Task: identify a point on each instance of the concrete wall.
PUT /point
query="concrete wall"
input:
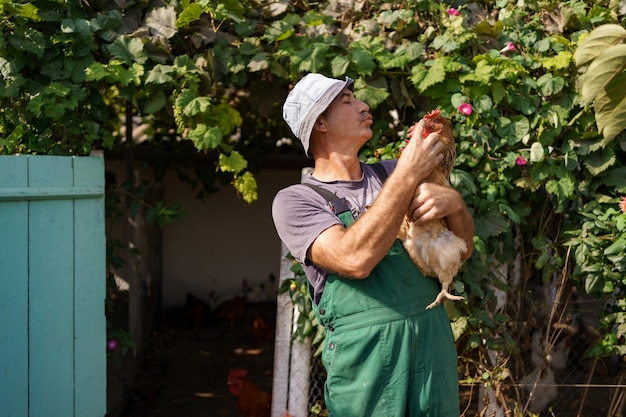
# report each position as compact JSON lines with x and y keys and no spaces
{"x":223,"y":241}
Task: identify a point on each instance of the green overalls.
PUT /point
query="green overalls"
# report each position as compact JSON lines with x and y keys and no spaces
{"x":385,"y":354}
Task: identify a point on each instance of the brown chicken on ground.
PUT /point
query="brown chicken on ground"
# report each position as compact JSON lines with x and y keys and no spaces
{"x":252,"y":401}
{"x":432,"y":246}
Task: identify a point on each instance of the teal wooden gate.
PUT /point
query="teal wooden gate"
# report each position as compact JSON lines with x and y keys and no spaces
{"x":52,"y":287}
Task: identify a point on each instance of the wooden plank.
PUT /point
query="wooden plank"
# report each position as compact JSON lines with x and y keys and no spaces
{"x":48,"y":193}
{"x":89,"y":291}
{"x":51,"y":324}
{"x":13,"y":292}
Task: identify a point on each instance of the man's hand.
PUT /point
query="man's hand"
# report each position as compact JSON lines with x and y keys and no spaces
{"x":432,"y":202}
{"x":421,"y":155}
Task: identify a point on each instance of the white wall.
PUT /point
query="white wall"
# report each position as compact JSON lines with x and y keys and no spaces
{"x":223,"y":240}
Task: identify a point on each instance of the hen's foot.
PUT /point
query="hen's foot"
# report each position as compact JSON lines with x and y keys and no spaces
{"x":443,"y":294}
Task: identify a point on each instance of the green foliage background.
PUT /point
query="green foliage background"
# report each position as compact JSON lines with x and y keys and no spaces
{"x":541,"y":180}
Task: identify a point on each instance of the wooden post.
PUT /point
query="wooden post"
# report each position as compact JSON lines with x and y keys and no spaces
{"x":292,"y":361}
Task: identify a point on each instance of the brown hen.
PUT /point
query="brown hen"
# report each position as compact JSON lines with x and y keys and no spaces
{"x":252,"y":401}
{"x":433,"y":247}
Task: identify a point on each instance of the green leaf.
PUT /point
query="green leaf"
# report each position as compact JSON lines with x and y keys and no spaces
{"x":363,"y":60}
{"x":128,"y":50}
{"x":490,"y":223}
{"x":234,"y":162}
{"x":278,"y":31}
{"x":482,"y":74}
{"x":505,"y":208}
{"x":205,"y":137}
{"x":190,"y":13}
{"x":373,"y":96}
{"x":312,"y":60}
{"x":616,"y":248}
{"x":550,"y":85}
{"x":562,"y":188}
{"x":155,"y":102}
{"x":514,"y":131}
{"x":80,"y":26}
{"x":435,"y":74}
{"x":474,"y":341}
{"x":196,"y":105}
{"x":160,"y":74}
{"x":96,"y":72}
{"x":339,"y":65}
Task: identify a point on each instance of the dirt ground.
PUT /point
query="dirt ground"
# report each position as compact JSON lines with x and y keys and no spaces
{"x":184,"y":371}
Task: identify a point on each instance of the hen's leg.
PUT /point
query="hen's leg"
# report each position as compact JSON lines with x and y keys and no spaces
{"x":443,"y":294}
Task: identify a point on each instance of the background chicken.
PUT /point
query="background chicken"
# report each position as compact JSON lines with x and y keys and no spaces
{"x":432,"y":246}
{"x":251,"y":400}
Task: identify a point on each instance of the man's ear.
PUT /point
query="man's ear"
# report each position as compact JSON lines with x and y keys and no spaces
{"x":320,"y":124}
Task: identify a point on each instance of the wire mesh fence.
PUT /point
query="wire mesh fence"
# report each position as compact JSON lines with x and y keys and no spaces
{"x":564,"y":382}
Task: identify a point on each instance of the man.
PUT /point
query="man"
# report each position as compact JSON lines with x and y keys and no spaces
{"x":385,"y":354}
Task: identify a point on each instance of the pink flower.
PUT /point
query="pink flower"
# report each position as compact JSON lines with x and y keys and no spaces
{"x":112,"y":344}
{"x":622,"y":205}
{"x":452,"y":11}
{"x":465,"y":109}
{"x":509,"y":47}
{"x":521,"y":161}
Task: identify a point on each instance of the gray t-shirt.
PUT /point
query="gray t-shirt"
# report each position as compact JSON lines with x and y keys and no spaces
{"x":301,"y":214}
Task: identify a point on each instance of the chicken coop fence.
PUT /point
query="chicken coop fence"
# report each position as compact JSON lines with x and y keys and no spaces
{"x":550,"y":376}
{"x":567,"y":384}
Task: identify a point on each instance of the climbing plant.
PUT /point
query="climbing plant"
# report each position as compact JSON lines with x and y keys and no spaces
{"x":540,"y":163}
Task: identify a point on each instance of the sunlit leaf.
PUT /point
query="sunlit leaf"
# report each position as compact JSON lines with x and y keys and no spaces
{"x":600,"y":160}
{"x":597,"y":41}
{"x":246,"y":186}
{"x":162,"y":21}
{"x":258,"y":62}
{"x":610,"y":108}
{"x":234,"y":162}
{"x":600,"y":72}
{"x":536,"y":152}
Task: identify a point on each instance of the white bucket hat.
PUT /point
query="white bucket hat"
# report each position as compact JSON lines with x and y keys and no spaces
{"x":308,"y":99}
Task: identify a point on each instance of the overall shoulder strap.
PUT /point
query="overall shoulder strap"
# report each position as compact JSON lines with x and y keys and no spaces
{"x":337,"y":205}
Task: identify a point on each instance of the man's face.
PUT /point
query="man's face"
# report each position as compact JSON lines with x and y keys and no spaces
{"x":349,"y":118}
